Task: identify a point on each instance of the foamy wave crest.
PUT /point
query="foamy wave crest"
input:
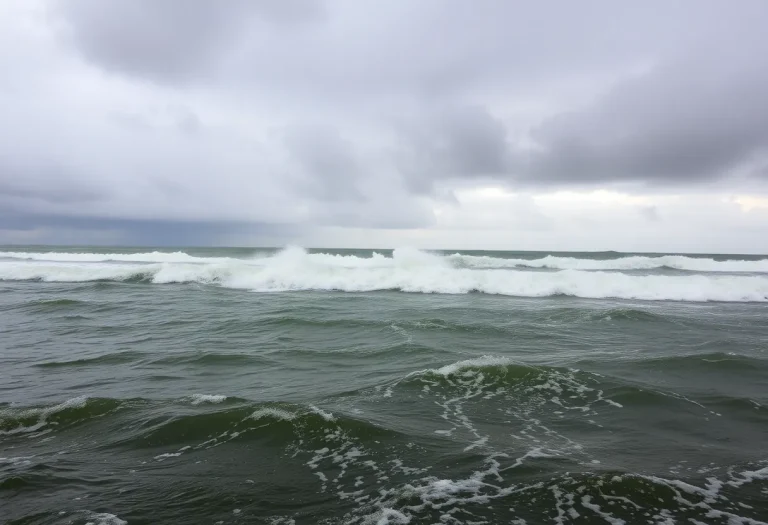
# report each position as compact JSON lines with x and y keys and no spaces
{"x":275,"y":413}
{"x":469,"y":364}
{"x":405,"y":257}
{"x":150,"y":257}
{"x":34,"y":419}
{"x":103,"y":518}
{"x":407,"y":270}
{"x":636,"y":262}
{"x":199,"y":399}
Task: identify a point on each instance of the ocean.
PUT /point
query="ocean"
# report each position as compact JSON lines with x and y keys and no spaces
{"x":237,"y":386}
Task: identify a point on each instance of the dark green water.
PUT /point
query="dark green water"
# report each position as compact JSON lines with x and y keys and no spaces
{"x":236,"y":386}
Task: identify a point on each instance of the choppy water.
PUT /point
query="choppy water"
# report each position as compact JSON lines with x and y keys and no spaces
{"x":236,"y":386}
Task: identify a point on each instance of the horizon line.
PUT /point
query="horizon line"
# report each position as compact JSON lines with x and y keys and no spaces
{"x":315,"y":248}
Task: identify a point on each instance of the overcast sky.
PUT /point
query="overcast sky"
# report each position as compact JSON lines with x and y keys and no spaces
{"x":555,"y":125}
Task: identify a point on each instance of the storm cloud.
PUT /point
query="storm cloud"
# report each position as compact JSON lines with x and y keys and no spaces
{"x":688,"y":120}
{"x":682,"y":121}
{"x":171,"y":40}
{"x":300,"y":115}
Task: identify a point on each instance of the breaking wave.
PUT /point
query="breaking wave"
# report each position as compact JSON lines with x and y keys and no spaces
{"x":408,"y":271}
{"x":410,"y":256}
{"x":149,"y":257}
{"x":635,"y":262}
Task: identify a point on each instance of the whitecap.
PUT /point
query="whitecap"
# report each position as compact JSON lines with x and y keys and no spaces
{"x":197,"y":399}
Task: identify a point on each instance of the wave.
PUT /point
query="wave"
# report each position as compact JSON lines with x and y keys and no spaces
{"x":70,"y":412}
{"x":382,"y":469}
{"x":576,"y":387}
{"x":55,"y":304}
{"x":149,"y":257}
{"x":491,"y":375}
{"x":407,"y":271}
{"x":118,"y":358}
{"x":197,"y":421}
{"x":199,"y":399}
{"x":196,"y":417}
{"x":210,"y":359}
{"x":717,"y":362}
{"x":583,"y":315}
{"x":614,"y":497}
{"x":410,"y":257}
{"x":480,"y":376}
{"x":487,"y":363}
{"x":403,"y":326}
{"x":634,"y":262}
{"x":700,"y":356}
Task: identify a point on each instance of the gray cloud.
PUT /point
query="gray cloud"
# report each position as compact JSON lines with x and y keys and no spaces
{"x":650,"y":212}
{"x":454,"y":143}
{"x":351,"y":49}
{"x":44,"y":182}
{"x":698,"y":112}
{"x":691,"y":120}
{"x":680,"y":122}
{"x":353,"y":114}
{"x":326,"y":164}
{"x":25,"y":191}
{"x":173,"y":40}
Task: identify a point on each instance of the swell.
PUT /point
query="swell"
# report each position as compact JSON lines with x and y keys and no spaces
{"x":711,"y":361}
{"x":397,"y":325}
{"x":333,"y":447}
{"x":599,"y":495}
{"x":609,"y":496}
{"x":118,"y":358}
{"x":165,"y":422}
{"x":200,"y":421}
{"x":210,"y":359}
{"x":640,"y":396}
{"x":63,"y":415}
{"x":534,"y":383}
{"x":55,"y":304}
{"x":566,"y":315}
{"x":203,"y":359}
{"x":583,"y":314}
{"x":63,"y":308}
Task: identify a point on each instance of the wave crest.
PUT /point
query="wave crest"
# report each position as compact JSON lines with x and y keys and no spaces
{"x":409,"y":270}
{"x":410,"y":257}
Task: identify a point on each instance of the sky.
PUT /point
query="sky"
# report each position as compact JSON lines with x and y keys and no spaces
{"x":551,"y":125}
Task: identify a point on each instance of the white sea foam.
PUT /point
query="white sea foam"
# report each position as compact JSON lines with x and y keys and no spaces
{"x":587,"y":502}
{"x":486,"y":360}
{"x":687,"y":494}
{"x":322,"y":413}
{"x":149,"y":257}
{"x":103,"y":518}
{"x":162,"y":457}
{"x":748,"y":477}
{"x":19,"y":460}
{"x":634,"y":262}
{"x":276,"y":413}
{"x":408,"y":271}
{"x":408,"y":257}
{"x":43,"y":414}
{"x":197,"y":399}
{"x":342,"y":464}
